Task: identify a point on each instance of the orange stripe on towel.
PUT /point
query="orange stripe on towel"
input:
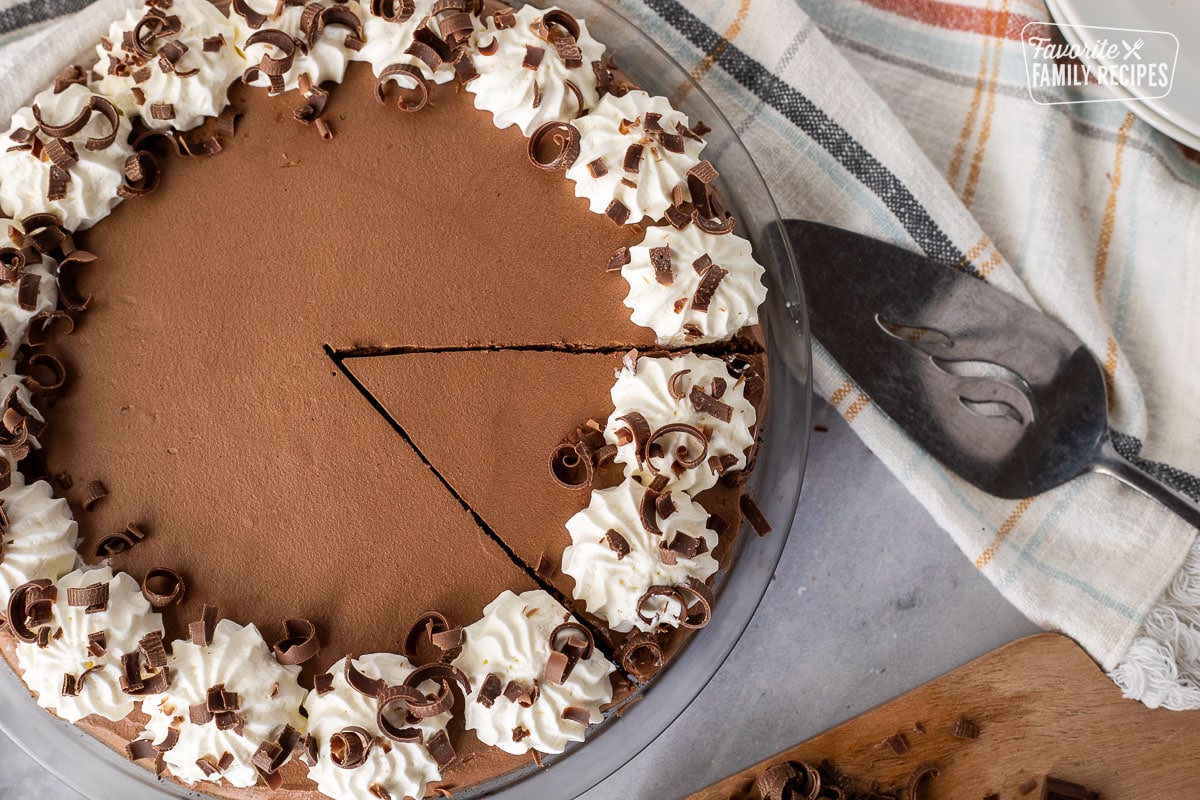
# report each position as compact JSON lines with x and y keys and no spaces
{"x":1002,"y":533}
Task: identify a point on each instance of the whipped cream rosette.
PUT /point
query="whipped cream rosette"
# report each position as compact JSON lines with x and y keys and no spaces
{"x":409,"y":43}
{"x":683,"y":419}
{"x":64,"y":154}
{"x":226,"y":699}
{"x":354,"y":757}
{"x":23,"y":298}
{"x":639,"y":557}
{"x":316,"y":40}
{"x":39,"y":538}
{"x":537,"y":681}
{"x":534,"y":66}
{"x":96,"y":620}
{"x":692,"y":286}
{"x":170,"y":67}
{"x":634,"y":152}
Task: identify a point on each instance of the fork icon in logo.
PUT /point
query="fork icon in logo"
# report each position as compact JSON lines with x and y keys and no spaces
{"x":1132,"y":49}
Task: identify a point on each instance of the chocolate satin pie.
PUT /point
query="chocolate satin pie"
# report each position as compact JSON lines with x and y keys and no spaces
{"x":380,"y":385}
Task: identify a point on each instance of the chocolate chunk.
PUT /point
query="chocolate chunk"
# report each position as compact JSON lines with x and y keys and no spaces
{"x":213,"y":44}
{"x":97,"y":644}
{"x":96,"y":492}
{"x":597,"y":168}
{"x":633,"y":158}
{"x":199,"y":714}
{"x":520,"y":733}
{"x":671,"y":142}
{"x":442,"y":751}
{"x":554,"y":146}
{"x":92,"y":599}
{"x":719,"y":385}
{"x":618,"y":212}
{"x":323,"y":684}
{"x":533,"y":57}
{"x":685,"y":545}
{"x":617,"y":543}
{"x":163,"y":586}
{"x":69,"y":75}
{"x":619,"y":259}
{"x":489,"y":691}
{"x":546,"y":567}
{"x":721,"y":464}
{"x":299,"y":643}
{"x":660,"y":260}
{"x":705,"y":403}
{"x":754,"y":515}
{"x":61,"y":153}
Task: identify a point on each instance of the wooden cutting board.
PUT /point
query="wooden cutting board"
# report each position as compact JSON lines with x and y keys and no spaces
{"x":1041,"y":706}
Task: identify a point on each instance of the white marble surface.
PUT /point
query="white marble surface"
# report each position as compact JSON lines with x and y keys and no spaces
{"x":870,"y":599}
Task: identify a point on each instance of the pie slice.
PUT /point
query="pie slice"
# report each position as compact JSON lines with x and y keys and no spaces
{"x":487,"y":422}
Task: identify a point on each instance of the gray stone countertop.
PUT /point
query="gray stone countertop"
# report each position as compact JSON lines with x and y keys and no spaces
{"x":870,"y":599}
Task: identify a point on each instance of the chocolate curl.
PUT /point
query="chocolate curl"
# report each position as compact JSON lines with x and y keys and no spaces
{"x":119,"y":542}
{"x":554,"y":146}
{"x":50,"y":364}
{"x":299,"y":643}
{"x":571,"y":466}
{"x":641,"y":655}
{"x":29,"y":608}
{"x":163,"y":587}
{"x":393,"y":10}
{"x":141,"y":174}
{"x":411,"y":98}
{"x":348,"y":748}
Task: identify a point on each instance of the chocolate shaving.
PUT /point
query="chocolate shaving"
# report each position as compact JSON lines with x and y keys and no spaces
{"x":636,"y":429}
{"x":721,"y":464}
{"x":142,"y":749}
{"x":648,"y":512}
{"x":118,"y":543}
{"x":323,"y":684}
{"x":719,"y":385}
{"x":520,"y":733}
{"x":665,"y":505}
{"x":213,"y":44}
{"x":702,"y":263}
{"x":674,"y":385}
{"x":754,"y":515}
{"x":299,"y":643}
{"x":597,"y":168}
{"x":704,"y":601}
{"x":96,"y":492}
{"x":926,"y":770}
{"x":348,"y":748}
{"x":442,"y":751}
{"x":681,"y":453}
{"x":141,"y":174}
{"x":262,"y":760}
{"x":309,"y":752}
{"x":68,"y":75}
{"x":97,"y":644}
{"x":708,"y":287}
{"x":897,"y":743}
{"x":571,"y":466}
{"x":1059,"y":789}
{"x":163,"y":587}
{"x":558,"y":668}
{"x":93,"y":599}
{"x":619,"y":258}
{"x":456,"y":28}
{"x":577,"y":714}
{"x":537,"y":94}
{"x":641,"y":655}
{"x":57,"y":187}
{"x":489,"y":49}
{"x":201,"y":631}
{"x":411,"y":98}
{"x":660,"y":259}
{"x":323,"y":129}
{"x":705,"y":403}
{"x":271,"y":66}
{"x":253,"y":19}
{"x":368,"y":687}
{"x":554,"y":146}
{"x":29,"y":287}
{"x":618,"y":212}
{"x":687,"y":546}
{"x":579,"y":643}
{"x":393,"y":10}
{"x":438,"y":672}
{"x":667,"y":592}
{"x":67,"y":269}
{"x":633,"y":158}
{"x":617,"y":543}
{"x":965,"y":729}
{"x":717,"y":227}
{"x":428,"y":624}
{"x":545,"y":568}
{"x":61,"y":153}
{"x":29,"y":607}
{"x":168,"y":741}
{"x":699,"y":178}
{"x":671,"y":142}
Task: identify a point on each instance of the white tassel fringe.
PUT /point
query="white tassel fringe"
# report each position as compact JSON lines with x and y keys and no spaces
{"x":1162,"y":666}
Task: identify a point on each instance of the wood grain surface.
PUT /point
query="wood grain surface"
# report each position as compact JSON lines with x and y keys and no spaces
{"x":1042,"y":707}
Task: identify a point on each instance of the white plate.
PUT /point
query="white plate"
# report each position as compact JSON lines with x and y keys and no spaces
{"x":1178,"y":113}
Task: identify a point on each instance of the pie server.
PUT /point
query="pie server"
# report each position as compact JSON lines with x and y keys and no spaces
{"x":995,"y":390}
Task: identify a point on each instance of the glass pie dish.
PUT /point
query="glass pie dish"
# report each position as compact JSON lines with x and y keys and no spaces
{"x":96,"y":771}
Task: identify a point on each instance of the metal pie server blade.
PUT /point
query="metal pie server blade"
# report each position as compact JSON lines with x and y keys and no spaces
{"x":995,"y":390}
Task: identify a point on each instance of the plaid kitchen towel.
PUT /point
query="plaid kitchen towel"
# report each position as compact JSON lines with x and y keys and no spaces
{"x":910,"y":120}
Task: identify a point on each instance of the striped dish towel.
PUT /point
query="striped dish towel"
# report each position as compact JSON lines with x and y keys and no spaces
{"x":910,"y":120}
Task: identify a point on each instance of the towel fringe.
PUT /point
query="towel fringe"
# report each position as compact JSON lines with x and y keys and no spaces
{"x":1162,"y":666}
